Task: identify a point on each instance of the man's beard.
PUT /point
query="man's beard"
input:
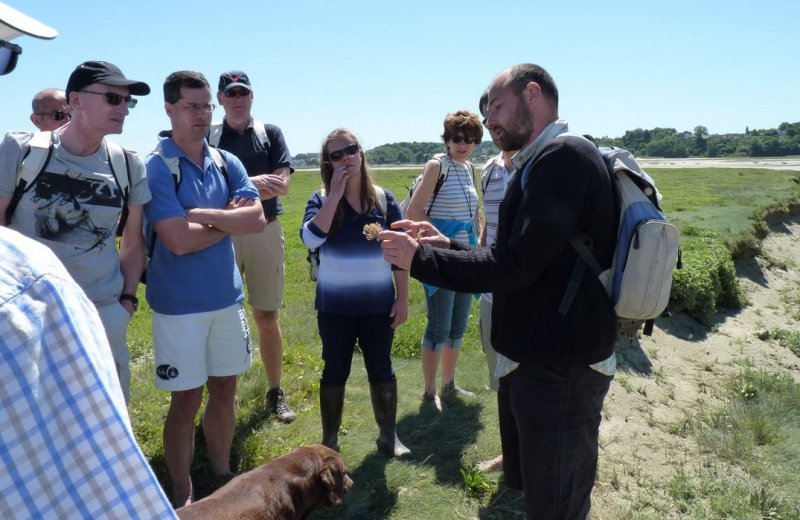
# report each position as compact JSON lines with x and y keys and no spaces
{"x":518,"y":131}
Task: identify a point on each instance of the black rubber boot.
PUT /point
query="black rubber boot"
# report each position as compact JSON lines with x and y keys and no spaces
{"x":331,"y":403}
{"x":384,"y":404}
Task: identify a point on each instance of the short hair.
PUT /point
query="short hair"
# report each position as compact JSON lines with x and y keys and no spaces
{"x":48,"y":93}
{"x":463,"y":122}
{"x":520,"y":75}
{"x":483,"y":102}
{"x":182,"y":78}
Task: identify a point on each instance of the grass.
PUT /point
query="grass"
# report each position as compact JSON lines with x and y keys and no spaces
{"x":440,"y":480}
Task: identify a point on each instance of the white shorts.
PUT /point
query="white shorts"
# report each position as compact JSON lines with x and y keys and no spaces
{"x":191,"y":347}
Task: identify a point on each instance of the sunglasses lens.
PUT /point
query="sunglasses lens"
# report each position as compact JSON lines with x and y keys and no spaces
{"x":9,"y":53}
{"x":456,"y":139}
{"x":338,"y":155}
{"x":130,"y":102}
{"x":59,"y":116}
{"x":113,"y":99}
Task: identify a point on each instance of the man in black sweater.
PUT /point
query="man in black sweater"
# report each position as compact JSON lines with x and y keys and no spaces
{"x":557,"y":358}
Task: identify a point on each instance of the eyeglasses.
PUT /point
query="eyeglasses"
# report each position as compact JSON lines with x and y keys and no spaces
{"x":114,"y":99}
{"x":338,"y":155}
{"x":237,"y":92}
{"x":9,"y":54}
{"x":57,"y":115}
{"x":199,"y":107}
{"x":458,"y":138}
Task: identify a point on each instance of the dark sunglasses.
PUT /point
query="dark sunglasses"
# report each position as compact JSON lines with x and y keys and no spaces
{"x":338,"y":155}
{"x":9,"y":54}
{"x":57,"y":115}
{"x":237,"y":92}
{"x":114,"y":99}
{"x":458,"y":138}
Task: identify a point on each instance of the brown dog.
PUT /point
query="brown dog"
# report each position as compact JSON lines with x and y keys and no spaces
{"x":288,"y":487}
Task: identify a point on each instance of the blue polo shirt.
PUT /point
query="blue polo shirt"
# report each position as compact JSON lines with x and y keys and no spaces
{"x":205,"y":280}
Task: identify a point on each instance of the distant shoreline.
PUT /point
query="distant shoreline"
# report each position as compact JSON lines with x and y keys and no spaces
{"x":768,"y":163}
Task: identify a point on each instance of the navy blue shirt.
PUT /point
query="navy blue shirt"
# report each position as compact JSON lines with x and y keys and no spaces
{"x":259,"y":158}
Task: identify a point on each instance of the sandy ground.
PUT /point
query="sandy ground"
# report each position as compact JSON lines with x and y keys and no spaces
{"x":679,"y":371}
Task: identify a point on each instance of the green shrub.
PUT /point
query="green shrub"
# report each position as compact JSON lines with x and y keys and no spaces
{"x":707,"y":280}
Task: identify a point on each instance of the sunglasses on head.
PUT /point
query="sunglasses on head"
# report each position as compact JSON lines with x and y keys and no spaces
{"x":57,"y":115}
{"x":458,"y":138}
{"x":114,"y":99}
{"x":237,"y":92}
{"x":338,"y":155}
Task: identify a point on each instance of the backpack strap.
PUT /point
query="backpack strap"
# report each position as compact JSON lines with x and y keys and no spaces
{"x":215,"y":133}
{"x":260,"y":130}
{"x":118,"y":162}
{"x":381,"y":198}
{"x":173,"y":164}
{"x":583,"y":246}
{"x":439,"y":181}
{"x":219,"y":160}
{"x":36,"y":159}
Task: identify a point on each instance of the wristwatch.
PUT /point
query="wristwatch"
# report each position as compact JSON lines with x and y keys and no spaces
{"x":131,"y":298}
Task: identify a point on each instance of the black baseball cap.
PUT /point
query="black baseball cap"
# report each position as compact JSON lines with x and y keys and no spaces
{"x":234,"y":78}
{"x":90,"y":72}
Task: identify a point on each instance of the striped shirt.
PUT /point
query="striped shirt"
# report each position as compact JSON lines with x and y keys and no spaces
{"x":494,"y":180}
{"x":457,"y":198}
{"x":66,"y":446}
{"x":354,"y":279}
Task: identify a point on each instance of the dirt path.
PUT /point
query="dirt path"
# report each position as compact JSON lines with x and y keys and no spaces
{"x":679,"y":369}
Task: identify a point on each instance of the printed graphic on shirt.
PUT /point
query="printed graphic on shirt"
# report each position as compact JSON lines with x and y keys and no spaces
{"x":64,"y":204}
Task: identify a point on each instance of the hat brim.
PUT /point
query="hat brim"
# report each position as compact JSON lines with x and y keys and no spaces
{"x":14,"y":23}
{"x":137,"y":88}
{"x":237,"y":84}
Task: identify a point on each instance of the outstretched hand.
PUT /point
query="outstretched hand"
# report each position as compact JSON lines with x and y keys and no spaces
{"x":399,"y":247}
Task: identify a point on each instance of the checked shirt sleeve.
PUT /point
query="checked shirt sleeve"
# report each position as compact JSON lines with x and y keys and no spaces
{"x":66,"y":444}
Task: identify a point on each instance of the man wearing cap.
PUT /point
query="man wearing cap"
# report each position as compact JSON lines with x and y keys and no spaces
{"x":50,"y":109}
{"x":75,"y":200}
{"x":260,"y":257}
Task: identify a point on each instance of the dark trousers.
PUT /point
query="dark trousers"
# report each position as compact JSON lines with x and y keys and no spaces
{"x":339,"y":334}
{"x":549,"y":426}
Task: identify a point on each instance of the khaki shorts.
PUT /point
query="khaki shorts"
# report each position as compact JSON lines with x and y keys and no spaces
{"x":260,"y":259}
{"x":190,"y":347}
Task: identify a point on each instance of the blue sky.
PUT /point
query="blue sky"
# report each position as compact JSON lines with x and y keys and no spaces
{"x":391,"y":71}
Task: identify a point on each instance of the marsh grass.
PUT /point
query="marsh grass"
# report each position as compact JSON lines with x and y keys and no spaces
{"x":438,"y":482}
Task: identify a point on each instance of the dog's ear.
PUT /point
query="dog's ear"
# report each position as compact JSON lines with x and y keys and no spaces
{"x":333,"y":478}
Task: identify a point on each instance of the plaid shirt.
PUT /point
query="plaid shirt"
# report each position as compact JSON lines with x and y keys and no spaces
{"x":66,"y":447}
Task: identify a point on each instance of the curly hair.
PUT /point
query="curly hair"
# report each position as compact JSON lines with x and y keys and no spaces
{"x":465,"y":123}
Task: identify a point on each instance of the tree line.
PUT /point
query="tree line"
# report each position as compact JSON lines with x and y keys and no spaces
{"x":656,"y":142}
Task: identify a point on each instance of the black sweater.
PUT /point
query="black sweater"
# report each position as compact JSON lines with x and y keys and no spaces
{"x":568,"y":191}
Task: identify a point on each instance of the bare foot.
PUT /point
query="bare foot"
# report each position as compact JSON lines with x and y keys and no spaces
{"x":496,"y":464}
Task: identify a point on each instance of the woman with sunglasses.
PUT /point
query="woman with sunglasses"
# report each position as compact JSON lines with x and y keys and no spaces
{"x":356,"y":299}
{"x":447,"y":197}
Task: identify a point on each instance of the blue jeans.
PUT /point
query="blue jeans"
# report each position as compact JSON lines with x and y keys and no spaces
{"x":339,"y":334}
{"x":447,"y":319}
{"x":549,"y":426}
